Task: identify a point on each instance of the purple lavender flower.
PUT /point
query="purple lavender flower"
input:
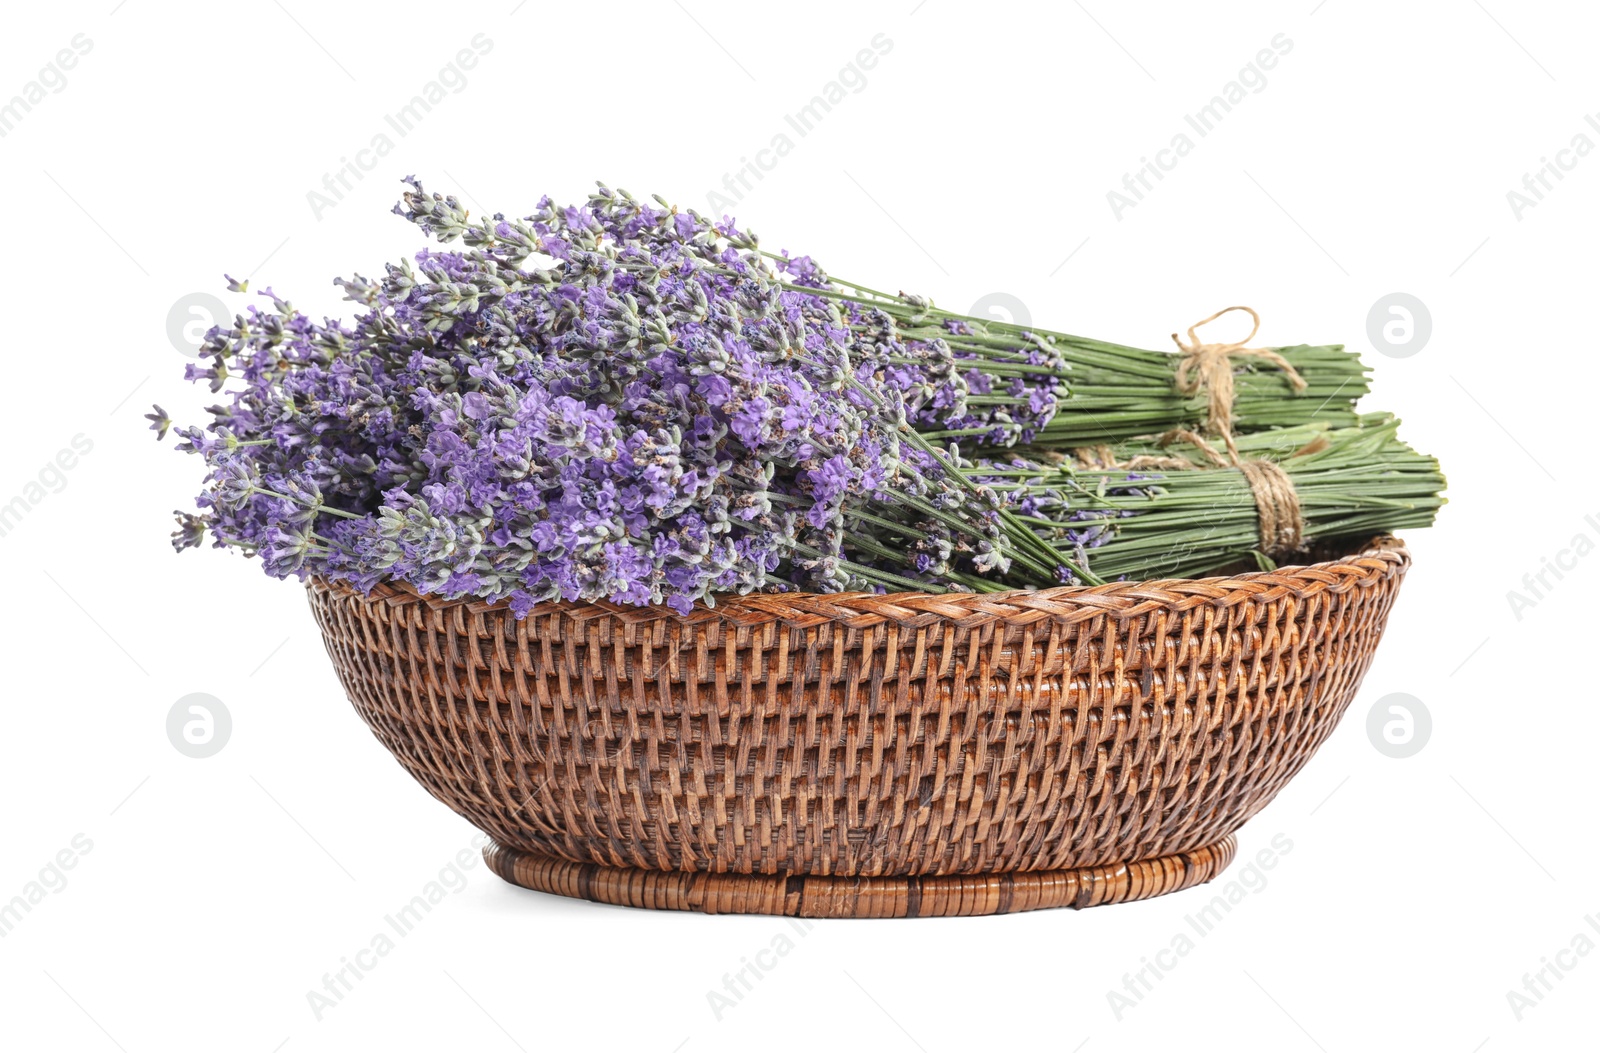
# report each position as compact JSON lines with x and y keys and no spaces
{"x":646,"y":416}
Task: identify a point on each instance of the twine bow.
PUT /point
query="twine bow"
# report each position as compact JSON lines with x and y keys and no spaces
{"x":1209,"y":368}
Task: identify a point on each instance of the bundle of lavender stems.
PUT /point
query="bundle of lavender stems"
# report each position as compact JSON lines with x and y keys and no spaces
{"x":624,"y":402}
{"x":1190,"y":512}
{"x":1025,"y":384}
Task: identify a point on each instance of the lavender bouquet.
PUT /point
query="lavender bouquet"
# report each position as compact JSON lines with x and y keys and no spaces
{"x":1156,"y":509}
{"x":623,"y":402}
{"x":1007,"y":384}
{"x":647,"y":419}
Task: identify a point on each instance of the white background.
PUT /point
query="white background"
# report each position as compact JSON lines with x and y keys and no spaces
{"x":976,"y":159}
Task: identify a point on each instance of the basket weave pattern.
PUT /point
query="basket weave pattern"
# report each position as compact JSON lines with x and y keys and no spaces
{"x":861,"y":736}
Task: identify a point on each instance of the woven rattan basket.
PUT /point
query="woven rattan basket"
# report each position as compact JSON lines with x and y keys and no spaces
{"x":862,"y":755}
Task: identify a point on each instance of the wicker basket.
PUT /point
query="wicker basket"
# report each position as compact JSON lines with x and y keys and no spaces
{"x":862,"y":755}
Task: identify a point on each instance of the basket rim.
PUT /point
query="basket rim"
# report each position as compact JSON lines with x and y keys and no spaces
{"x":1378,"y":559}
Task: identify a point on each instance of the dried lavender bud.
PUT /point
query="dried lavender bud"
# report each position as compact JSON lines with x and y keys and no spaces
{"x":648,"y":416}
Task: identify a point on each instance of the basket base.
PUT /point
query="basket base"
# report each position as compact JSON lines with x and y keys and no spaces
{"x":954,"y":895}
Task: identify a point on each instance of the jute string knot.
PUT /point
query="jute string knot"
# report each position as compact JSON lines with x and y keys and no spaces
{"x":1209,"y":368}
{"x":1278,"y":517}
{"x":1277,"y":506}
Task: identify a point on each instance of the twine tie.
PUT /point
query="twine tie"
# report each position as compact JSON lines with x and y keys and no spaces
{"x":1209,"y":368}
